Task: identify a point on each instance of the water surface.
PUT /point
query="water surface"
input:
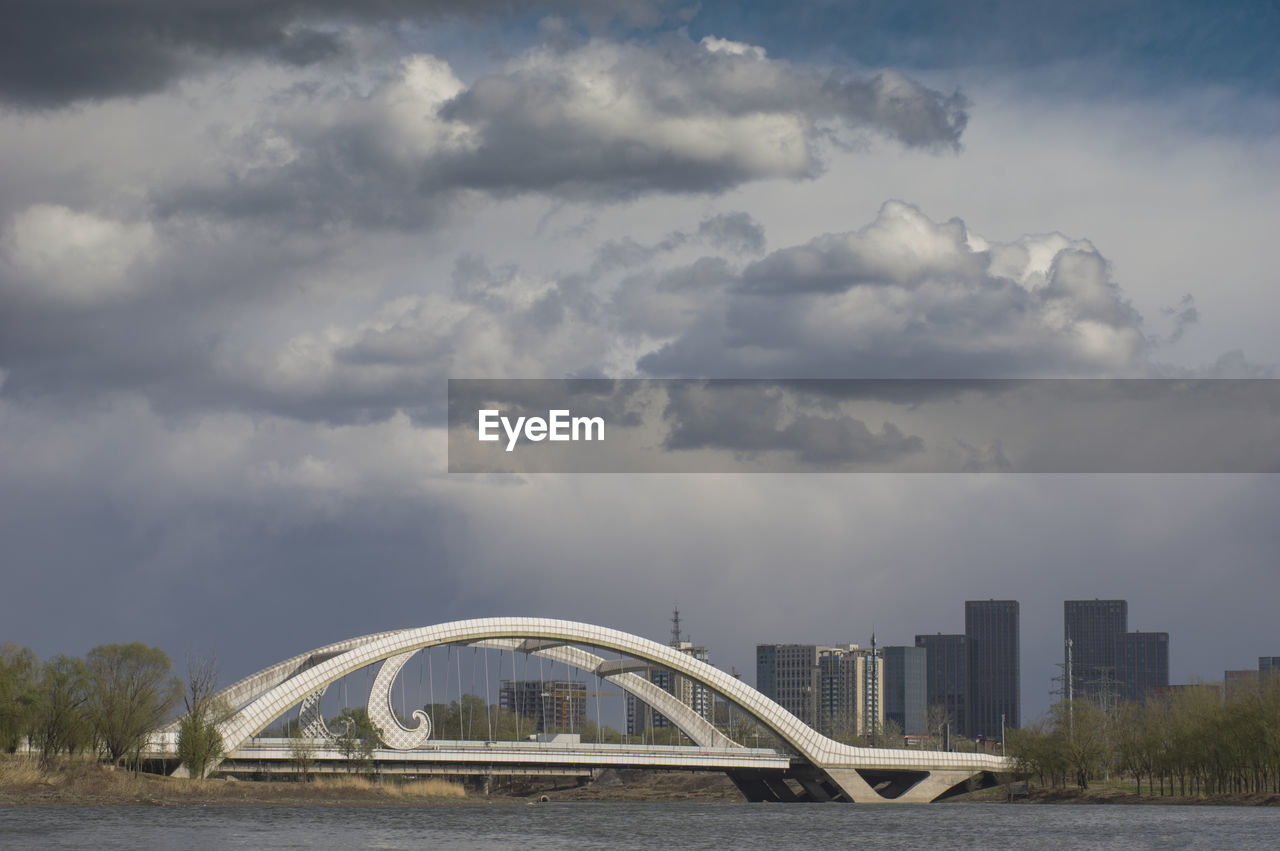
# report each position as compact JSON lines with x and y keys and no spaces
{"x":641,"y":825}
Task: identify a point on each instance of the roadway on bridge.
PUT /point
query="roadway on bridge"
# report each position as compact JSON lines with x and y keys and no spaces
{"x":277,"y":756}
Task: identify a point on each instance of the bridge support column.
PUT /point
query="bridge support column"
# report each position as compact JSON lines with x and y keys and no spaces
{"x":815,"y":789}
{"x":901,"y":789}
{"x":752,"y":786}
{"x":938,"y":783}
{"x":854,"y":788}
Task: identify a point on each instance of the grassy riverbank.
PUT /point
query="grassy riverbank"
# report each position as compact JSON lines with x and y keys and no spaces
{"x":1103,"y":792}
{"x":84,"y":782}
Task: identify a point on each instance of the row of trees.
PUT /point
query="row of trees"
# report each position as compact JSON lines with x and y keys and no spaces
{"x":106,"y":704}
{"x":472,"y":720}
{"x":1195,"y":741}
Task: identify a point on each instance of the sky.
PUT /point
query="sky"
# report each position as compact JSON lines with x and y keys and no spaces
{"x":243,"y":246}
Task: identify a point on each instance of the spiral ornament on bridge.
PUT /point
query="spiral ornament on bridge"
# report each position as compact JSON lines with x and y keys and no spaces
{"x":394,"y":734}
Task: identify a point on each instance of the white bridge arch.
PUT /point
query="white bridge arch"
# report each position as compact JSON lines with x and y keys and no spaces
{"x":824,"y":769}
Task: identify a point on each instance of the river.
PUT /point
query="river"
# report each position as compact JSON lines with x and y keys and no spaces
{"x":641,"y":825}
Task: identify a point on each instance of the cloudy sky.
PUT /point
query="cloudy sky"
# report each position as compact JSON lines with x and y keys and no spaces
{"x":244,"y":244}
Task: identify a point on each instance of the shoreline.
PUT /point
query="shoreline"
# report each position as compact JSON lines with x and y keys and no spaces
{"x":90,"y":784}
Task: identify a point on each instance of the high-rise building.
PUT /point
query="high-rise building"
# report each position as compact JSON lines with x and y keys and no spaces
{"x":850,"y":692}
{"x":945,"y":664}
{"x":906,"y":688}
{"x":1269,"y":666}
{"x":992,"y":686}
{"x":1091,"y":632}
{"x":788,"y":675}
{"x":1142,"y":664}
{"x":640,"y":716}
{"x":555,"y":706}
{"x":841,"y":679}
{"x":839,"y":691}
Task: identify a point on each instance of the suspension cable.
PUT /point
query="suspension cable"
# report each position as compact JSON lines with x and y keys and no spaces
{"x":599,"y":718}
{"x":458,"y":657}
{"x":431,"y":693}
{"x":542,"y":698}
{"x":487,"y":716}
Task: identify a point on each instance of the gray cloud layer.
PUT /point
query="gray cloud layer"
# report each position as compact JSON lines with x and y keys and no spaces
{"x":55,"y":53}
{"x":901,"y":297}
{"x":599,"y":120}
{"x":908,"y":297}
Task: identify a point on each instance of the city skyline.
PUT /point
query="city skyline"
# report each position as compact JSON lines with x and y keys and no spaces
{"x":243,"y":252}
{"x":1139,"y":644}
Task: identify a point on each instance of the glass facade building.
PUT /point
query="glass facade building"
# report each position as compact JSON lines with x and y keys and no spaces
{"x":945,"y":665}
{"x":1142,"y":664}
{"x":906,"y":688}
{"x":993,"y":683}
{"x":1093,"y":628}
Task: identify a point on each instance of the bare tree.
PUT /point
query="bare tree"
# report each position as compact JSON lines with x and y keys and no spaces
{"x":937,"y":720}
{"x":303,"y":750}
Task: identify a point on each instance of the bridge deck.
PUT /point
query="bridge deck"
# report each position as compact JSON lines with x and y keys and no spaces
{"x":451,"y":757}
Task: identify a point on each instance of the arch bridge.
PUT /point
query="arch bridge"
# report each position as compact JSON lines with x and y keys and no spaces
{"x":807,"y":767}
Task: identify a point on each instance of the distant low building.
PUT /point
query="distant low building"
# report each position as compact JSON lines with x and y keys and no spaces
{"x":1236,"y":682}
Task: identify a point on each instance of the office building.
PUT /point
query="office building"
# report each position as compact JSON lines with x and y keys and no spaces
{"x":945,"y":664}
{"x":839,"y":691}
{"x":788,"y":675}
{"x":992,"y":685}
{"x":1142,"y":664}
{"x":850,"y":692}
{"x":1235,"y":683}
{"x":640,"y":716}
{"x":1091,"y":637}
{"x":906,"y":688}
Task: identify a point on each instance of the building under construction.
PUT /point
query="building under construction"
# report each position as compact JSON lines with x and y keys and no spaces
{"x":555,"y":706}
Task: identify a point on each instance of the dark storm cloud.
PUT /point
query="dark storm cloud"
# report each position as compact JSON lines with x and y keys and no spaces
{"x":192,"y":532}
{"x":53,"y":53}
